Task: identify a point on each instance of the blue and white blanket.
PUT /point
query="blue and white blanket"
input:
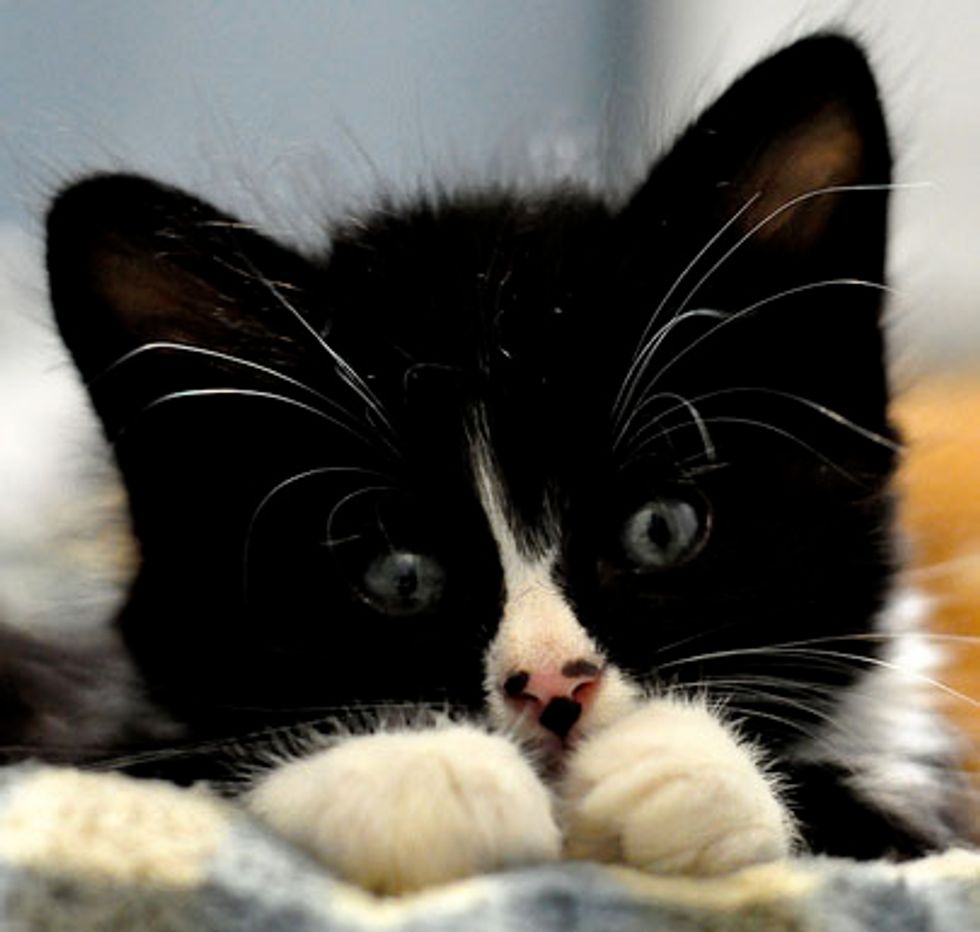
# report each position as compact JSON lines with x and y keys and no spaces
{"x":84,"y":851}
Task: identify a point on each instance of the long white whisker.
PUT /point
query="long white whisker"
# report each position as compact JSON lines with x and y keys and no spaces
{"x":641,"y":345}
{"x":685,"y":404}
{"x":875,"y":637}
{"x":771,"y":299}
{"x":665,"y":432}
{"x":749,"y":681}
{"x":724,"y":320}
{"x":788,"y":723}
{"x":708,"y":632}
{"x":846,"y":658}
{"x":330,"y":540}
{"x":642,"y":357}
{"x":335,"y":715}
{"x":208,"y":746}
{"x":279,"y":487}
{"x":630,"y":384}
{"x":720,"y":688}
{"x":725,"y":654}
{"x":823,"y":410}
{"x":883,"y":637}
{"x":778,"y":692}
{"x":781,"y":209}
{"x":888,"y":665}
{"x":238,"y":393}
{"x":348,"y":373}
{"x":654,"y":423}
{"x":215,"y":354}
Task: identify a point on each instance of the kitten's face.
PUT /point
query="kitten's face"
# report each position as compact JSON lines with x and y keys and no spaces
{"x":527,"y":453}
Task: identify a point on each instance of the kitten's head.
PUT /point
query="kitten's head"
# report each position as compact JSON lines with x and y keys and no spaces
{"x":531,"y":449}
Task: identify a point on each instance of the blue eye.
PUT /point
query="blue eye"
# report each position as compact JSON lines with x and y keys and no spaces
{"x":666,"y":532}
{"x":403,"y":583}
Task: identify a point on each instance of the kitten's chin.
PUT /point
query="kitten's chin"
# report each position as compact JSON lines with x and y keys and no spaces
{"x":550,"y":754}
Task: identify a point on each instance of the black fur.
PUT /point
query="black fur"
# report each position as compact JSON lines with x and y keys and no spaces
{"x":518,"y":314}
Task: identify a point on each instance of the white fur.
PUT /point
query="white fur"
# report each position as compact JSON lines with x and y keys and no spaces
{"x":395,"y":812}
{"x":886,"y":724}
{"x":670,"y":790}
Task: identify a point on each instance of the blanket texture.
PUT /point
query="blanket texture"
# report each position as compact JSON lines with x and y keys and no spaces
{"x":84,"y":851}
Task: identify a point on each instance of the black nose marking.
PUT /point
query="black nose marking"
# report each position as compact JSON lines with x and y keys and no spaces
{"x":576,"y":668}
{"x":515,"y":685}
{"x":559,"y":715}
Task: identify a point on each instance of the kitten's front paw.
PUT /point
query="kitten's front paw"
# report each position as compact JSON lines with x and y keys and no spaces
{"x":400,"y":811}
{"x":669,"y":790}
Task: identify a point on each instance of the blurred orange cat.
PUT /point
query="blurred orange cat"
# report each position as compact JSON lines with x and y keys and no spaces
{"x":940,"y":482}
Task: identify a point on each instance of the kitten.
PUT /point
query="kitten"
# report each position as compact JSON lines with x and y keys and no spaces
{"x":607,"y":482}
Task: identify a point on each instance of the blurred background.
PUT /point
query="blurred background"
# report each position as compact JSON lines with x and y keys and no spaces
{"x":291,"y":112}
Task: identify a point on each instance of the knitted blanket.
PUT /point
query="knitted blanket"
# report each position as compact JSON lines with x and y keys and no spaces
{"x":84,"y":851}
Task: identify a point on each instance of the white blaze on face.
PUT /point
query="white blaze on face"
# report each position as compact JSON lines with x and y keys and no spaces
{"x":538,"y":631}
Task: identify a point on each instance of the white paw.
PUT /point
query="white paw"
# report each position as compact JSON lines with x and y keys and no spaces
{"x":400,"y":811}
{"x":669,"y":790}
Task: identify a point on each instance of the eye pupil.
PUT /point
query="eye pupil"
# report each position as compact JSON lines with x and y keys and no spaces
{"x":659,"y":531}
{"x":407,"y":580}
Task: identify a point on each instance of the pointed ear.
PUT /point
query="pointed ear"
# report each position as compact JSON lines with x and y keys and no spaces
{"x":132,"y":262}
{"x":794,"y":155}
{"x":771,"y":211}
{"x":806,"y":126}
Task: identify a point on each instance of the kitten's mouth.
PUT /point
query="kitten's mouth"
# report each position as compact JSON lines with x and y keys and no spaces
{"x":551,"y":752}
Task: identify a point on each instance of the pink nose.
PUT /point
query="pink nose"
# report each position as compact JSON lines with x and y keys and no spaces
{"x":556,"y":697}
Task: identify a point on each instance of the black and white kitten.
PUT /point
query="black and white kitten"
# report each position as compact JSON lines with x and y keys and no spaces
{"x":610,"y":481}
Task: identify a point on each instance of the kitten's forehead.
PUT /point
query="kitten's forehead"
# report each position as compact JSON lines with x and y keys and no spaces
{"x":538,"y":627}
{"x":521,"y":541}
